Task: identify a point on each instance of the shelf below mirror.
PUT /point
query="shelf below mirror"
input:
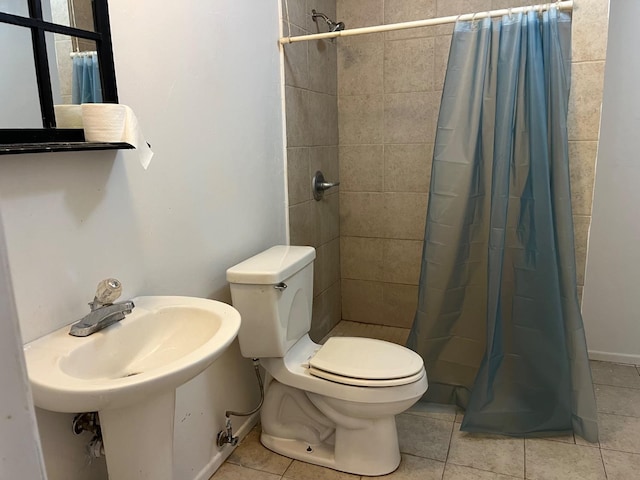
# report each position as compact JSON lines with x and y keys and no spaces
{"x":16,"y":141}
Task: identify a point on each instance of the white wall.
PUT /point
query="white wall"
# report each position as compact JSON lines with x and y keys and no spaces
{"x":611,"y":304}
{"x":204,"y":80}
{"x":20,"y":450}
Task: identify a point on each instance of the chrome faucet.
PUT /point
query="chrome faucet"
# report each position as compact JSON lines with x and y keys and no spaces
{"x":103,"y":311}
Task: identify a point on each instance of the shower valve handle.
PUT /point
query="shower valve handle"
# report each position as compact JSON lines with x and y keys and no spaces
{"x":318,"y":185}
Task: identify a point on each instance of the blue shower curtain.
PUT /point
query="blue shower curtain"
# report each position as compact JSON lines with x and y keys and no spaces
{"x":498,"y":321}
{"x":86,"y":86}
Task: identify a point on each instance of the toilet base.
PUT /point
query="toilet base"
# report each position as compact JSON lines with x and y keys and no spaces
{"x":373,"y":451}
{"x":307,"y":427}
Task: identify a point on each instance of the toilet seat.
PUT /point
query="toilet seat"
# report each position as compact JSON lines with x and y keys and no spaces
{"x":293,"y":370}
{"x":365,"y":362}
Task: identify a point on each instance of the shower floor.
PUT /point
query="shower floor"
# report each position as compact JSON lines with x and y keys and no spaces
{"x":434,"y":448}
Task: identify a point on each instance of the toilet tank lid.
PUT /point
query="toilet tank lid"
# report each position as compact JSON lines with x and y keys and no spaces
{"x":271,"y":266}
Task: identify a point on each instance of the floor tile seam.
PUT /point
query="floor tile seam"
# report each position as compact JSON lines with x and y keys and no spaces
{"x":608,"y":449}
{"x":402,"y":454}
{"x":560,"y":441}
{"x":588,"y":445}
{"x":483,"y":470}
{"x":288,"y":467}
{"x":500,"y":473}
{"x":618,"y":414}
{"x":422,"y":456}
{"x":415,"y":455}
{"x":446,"y":458}
{"x":604,"y":467}
{"x":637,"y":454}
{"x":500,"y":436}
{"x":433,"y":416}
{"x":627,"y":387}
{"x":524,"y":457}
{"x":257,"y":469}
{"x":232,"y":461}
{"x":573,"y":442}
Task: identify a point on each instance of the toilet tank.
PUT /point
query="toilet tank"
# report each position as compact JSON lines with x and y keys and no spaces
{"x":273,"y":291}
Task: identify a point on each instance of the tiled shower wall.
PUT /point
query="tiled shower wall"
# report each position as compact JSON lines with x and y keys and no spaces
{"x":312,"y":144}
{"x":388,"y":92}
{"x":389,"y":89}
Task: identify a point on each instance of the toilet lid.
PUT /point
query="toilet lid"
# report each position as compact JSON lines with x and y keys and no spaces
{"x":366,"y":362}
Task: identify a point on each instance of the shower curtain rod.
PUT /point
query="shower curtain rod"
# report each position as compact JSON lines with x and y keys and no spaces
{"x":566,"y":5}
{"x":85,"y":53}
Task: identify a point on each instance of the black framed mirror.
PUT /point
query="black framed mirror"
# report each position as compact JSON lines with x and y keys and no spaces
{"x":41,"y":41}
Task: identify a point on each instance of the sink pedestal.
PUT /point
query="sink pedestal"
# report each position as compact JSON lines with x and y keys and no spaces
{"x":129,"y":372}
{"x":138,"y":439}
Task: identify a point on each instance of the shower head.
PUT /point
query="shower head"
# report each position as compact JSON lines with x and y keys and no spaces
{"x":336,"y":27}
{"x":333,"y":26}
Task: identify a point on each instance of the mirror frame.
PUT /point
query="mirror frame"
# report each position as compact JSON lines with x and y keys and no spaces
{"x":49,"y":137}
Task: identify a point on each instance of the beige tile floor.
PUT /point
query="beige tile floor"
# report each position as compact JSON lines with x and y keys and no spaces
{"x":433,"y":447}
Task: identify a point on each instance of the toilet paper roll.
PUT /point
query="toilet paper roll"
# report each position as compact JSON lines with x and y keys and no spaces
{"x":110,"y":122}
{"x":68,"y":116}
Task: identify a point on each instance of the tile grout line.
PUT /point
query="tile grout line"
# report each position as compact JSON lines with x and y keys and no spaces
{"x":617,"y":386}
{"x":524,"y":458}
{"x":604,"y":467}
{"x":446,"y":458}
{"x":617,"y":414}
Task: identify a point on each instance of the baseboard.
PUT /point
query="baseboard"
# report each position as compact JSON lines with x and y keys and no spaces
{"x":219,"y":458}
{"x":614,"y":357}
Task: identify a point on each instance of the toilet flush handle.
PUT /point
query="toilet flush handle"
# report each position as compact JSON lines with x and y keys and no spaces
{"x":280,"y":286}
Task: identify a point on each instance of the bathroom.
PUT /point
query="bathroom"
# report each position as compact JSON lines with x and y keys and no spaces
{"x":216,"y":193}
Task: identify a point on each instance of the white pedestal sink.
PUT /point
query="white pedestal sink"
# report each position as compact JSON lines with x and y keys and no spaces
{"x":129,"y":372}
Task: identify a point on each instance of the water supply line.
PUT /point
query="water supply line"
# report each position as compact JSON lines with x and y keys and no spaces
{"x":90,"y":422}
{"x":226,"y":436}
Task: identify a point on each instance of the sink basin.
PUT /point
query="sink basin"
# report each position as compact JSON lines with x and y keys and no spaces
{"x":128,"y":373}
{"x":162,"y":344}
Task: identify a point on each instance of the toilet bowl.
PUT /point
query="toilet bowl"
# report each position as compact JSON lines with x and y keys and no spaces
{"x":334,"y":404}
{"x":334,"y":424}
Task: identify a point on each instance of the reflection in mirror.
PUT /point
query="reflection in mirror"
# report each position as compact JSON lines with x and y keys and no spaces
{"x":85,"y":78}
{"x":73,"y":62}
{"x":19,"y":89}
{"x":40,"y":41}
{"x":15,"y":7}
{"x":75,"y":78}
{"x":71,"y":13}
{"x":75,"y":74}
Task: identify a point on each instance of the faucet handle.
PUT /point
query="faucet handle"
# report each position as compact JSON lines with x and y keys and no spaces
{"x":107,"y":292}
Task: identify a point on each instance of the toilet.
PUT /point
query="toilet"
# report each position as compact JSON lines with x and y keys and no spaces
{"x":334,"y":404}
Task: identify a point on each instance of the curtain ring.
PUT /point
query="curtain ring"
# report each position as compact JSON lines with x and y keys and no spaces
{"x":510,"y":13}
